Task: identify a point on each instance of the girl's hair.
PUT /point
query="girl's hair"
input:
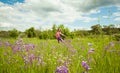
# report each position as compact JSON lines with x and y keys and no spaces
{"x":59,"y":29}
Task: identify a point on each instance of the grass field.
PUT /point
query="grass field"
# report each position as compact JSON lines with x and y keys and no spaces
{"x":80,"y":55}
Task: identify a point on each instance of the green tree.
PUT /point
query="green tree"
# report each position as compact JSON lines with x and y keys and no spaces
{"x":110,"y":29}
{"x":31,"y":32}
{"x":96,"y":29}
{"x":54,"y":28}
{"x":14,"y":33}
{"x":46,"y":34}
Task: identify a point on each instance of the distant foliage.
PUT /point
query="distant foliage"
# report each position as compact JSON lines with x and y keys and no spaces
{"x":96,"y":30}
{"x":44,"y":35}
{"x":31,"y":32}
{"x":4,"y":34}
{"x":110,"y":29}
{"x":50,"y":34}
{"x":14,"y":33}
{"x":117,"y":37}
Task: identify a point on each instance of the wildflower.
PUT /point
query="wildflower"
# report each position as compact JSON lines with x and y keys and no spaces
{"x":90,"y":44}
{"x":15,"y":48}
{"x":7,"y":43}
{"x":62,"y":69}
{"x":31,"y":56}
{"x":39,"y":61}
{"x":0,"y":43}
{"x":66,"y":63}
{"x":25,"y":60}
{"x":60,"y":61}
{"x":107,"y":47}
{"x":111,"y":44}
{"x":91,"y":50}
{"x":73,"y":50}
{"x":84,"y":64}
{"x":29,"y":46}
{"x":32,"y":46}
{"x":69,"y":41}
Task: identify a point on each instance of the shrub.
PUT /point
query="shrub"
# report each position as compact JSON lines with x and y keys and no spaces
{"x":117,"y":37}
{"x":14,"y":33}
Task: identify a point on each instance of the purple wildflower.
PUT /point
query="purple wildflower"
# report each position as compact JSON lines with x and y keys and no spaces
{"x":91,"y":50}
{"x":29,"y":46}
{"x":107,"y":47}
{"x":84,"y":64}
{"x":7,"y":43}
{"x":73,"y":50}
{"x":60,"y":61}
{"x":31,"y":58}
{"x":61,"y":69}
{"x":90,"y":44}
{"x":25,"y":60}
{"x":15,"y":48}
{"x":0,"y":43}
{"x":66,"y":63}
{"x":39,"y":62}
{"x":69,"y":41}
{"x":111,"y":44}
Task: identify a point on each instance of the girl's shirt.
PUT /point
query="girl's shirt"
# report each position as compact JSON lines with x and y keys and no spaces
{"x":58,"y":34}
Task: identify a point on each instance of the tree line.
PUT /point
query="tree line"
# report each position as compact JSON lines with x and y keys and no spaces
{"x":50,"y":33}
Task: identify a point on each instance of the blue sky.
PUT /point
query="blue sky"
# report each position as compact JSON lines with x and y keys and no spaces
{"x":42,"y":14}
{"x":11,"y":2}
{"x":101,"y":19}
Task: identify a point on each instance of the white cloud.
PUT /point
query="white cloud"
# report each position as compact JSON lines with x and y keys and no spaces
{"x":44,"y":13}
{"x":116,"y":14}
{"x":117,"y":25}
{"x":118,"y":7}
{"x":117,"y":19}
{"x":88,"y":5}
{"x":105,"y":17}
{"x":87,"y":19}
{"x":5,"y":24}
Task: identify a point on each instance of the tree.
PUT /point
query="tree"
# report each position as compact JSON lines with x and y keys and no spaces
{"x":54,"y":28}
{"x":31,"y":32}
{"x":14,"y":33}
{"x":96,"y":29}
{"x":110,"y":29}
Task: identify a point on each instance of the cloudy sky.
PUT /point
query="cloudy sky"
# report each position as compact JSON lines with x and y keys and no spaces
{"x":42,"y":14}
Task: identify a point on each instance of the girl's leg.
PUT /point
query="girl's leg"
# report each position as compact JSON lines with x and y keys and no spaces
{"x":59,"y":39}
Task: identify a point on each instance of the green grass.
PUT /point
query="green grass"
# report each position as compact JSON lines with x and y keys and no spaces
{"x":48,"y":55}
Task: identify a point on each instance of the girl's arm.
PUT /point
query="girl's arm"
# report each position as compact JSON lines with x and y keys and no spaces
{"x":62,"y":34}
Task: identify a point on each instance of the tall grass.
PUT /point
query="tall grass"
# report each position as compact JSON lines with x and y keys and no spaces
{"x":80,"y":55}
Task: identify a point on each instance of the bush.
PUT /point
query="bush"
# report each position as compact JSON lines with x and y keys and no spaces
{"x":30,"y":32}
{"x":117,"y":37}
{"x":14,"y":33}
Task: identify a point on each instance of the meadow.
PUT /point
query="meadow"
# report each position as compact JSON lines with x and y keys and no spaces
{"x":78,"y":55}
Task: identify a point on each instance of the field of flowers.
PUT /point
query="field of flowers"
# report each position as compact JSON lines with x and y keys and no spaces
{"x":80,"y":55}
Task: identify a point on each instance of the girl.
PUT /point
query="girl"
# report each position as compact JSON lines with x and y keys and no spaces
{"x":58,"y":35}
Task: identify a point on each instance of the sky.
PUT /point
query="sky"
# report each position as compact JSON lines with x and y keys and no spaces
{"x":73,"y":14}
